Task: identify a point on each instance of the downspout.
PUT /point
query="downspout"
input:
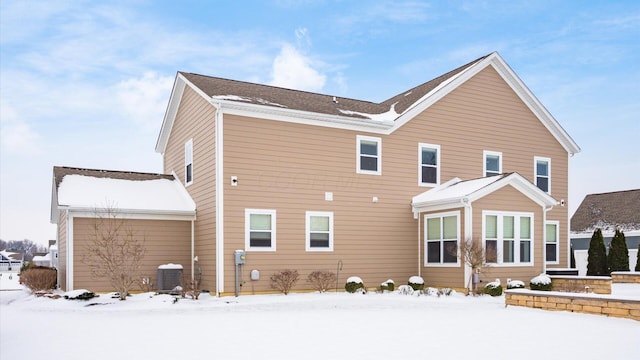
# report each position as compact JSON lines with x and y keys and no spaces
{"x":193,"y":250}
{"x":544,"y":238}
{"x":219,"y":200}
{"x":468,"y":235}
{"x":419,"y":248}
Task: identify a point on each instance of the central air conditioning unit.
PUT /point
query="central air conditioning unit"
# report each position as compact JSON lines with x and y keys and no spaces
{"x":169,"y":278}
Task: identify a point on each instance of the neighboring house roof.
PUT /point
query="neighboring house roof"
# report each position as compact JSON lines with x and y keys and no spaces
{"x":275,"y":103}
{"x":92,"y":190}
{"x":457,"y":193}
{"x":7,"y":255}
{"x":608,"y":211}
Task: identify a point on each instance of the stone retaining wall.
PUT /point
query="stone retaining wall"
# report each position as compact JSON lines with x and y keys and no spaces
{"x":623,"y":277}
{"x":582,"y":284}
{"x":582,"y":303}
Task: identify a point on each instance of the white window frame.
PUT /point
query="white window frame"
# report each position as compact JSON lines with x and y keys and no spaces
{"x":486,"y":153}
{"x":535,"y":172}
{"x":188,"y":160}
{"x":426,"y":242}
{"x":359,"y":139}
{"x":420,"y":165}
{"x":516,"y":237}
{"x":557,"y":225}
{"x":310,"y":214}
{"x":247,"y":229}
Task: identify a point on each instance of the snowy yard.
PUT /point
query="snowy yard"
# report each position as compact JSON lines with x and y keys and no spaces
{"x":306,"y":326}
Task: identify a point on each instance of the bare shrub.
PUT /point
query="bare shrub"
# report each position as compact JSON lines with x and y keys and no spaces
{"x":321,"y":280}
{"x":284,"y":280}
{"x":190,"y":288}
{"x":114,"y":251}
{"x":145,"y":284}
{"x":473,"y":255}
{"x":39,"y":278}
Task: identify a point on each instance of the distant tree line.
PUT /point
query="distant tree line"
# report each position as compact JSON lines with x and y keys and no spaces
{"x":26,"y":246}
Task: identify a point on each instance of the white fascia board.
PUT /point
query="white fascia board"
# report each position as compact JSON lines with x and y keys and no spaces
{"x":172,"y":109}
{"x":448,"y":204}
{"x":303,"y":117}
{"x":54,"y":214}
{"x":519,"y":183}
{"x":137,"y":214}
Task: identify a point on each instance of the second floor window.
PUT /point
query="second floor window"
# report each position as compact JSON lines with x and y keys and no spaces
{"x":429,"y":164}
{"x":369,"y":155}
{"x":188,"y":162}
{"x":543,"y":174}
{"x":492,"y":163}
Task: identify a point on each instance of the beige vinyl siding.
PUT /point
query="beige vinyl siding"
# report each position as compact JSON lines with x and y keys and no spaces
{"x":62,"y":249}
{"x":508,"y":199}
{"x":195,"y":120}
{"x":165,"y":242}
{"x":289,"y":167}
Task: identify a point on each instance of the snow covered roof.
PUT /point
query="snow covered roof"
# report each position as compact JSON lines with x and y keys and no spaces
{"x":456,"y":193}
{"x":608,"y":211}
{"x":126,"y":192}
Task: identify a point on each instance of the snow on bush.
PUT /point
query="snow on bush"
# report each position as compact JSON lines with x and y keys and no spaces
{"x":493,"y":288}
{"x":416,"y":282}
{"x":541,"y":282}
{"x":431,"y":291}
{"x":354,"y":284}
{"x":515,"y":284}
{"x":405,"y":290}
{"x":388,"y":285}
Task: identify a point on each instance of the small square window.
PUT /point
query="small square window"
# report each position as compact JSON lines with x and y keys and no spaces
{"x":369,"y":158}
{"x":492,"y":163}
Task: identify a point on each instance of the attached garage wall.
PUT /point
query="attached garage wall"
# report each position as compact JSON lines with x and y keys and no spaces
{"x":166,"y":241}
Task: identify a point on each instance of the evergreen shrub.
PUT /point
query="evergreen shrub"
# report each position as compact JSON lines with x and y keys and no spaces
{"x":493,"y":288}
{"x":416,"y":283}
{"x":388,"y":285}
{"x":618,"y":258}
{"x":597,"y":260}
{"x":353,"y":284}
{"x":541,"y":282}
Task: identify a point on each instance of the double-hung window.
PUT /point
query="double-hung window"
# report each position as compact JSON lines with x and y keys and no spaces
{"x":260,"y":229}
{"x":508,"y":237}
{"x":492,"y":163}
{"x":369,"y":159}
{"x":551,"y":241}
{"x":429,"y":171}
{"x":543,"y":173}
{"x":442,"y":236}
{"x":319,"y":231}
{"x":188,"y":162}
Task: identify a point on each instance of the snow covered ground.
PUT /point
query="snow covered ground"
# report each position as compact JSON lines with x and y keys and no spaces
{"x":306,"y":326}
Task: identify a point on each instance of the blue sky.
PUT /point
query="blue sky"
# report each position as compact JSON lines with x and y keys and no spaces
{"x":86,"y":83}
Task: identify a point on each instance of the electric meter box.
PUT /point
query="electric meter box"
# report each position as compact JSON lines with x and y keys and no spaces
{"x":239,"y":257}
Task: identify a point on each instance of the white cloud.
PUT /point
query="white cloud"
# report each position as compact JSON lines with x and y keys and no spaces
{"x":291,"y":69}
{"x":144,"y":100}
{"x":17,"y":135}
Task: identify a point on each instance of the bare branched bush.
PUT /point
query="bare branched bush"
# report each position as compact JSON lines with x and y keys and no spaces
{"x":114,"y":251}
{"x":190,"y":288}
{"x":321,"y":280}
{"x":39,"y":278}
{"x":473,"y":255}
{"x":145,"y":284}
{"x":284,"y":280}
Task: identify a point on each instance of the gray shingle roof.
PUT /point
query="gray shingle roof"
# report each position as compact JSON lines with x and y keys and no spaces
{"x":59,"y":172}
{"x":608,"y":211}
{"x":246,"y":92}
